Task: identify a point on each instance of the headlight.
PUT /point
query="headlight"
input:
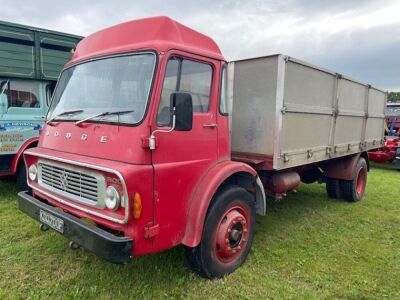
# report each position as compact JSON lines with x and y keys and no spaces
{"x":112,"y":199}
{"x":32,"y":172}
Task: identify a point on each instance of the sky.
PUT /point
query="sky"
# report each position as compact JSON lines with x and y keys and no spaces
{"x":358,"y":38}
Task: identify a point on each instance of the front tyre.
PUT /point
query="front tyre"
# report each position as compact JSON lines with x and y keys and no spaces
{"x":227,"y":234}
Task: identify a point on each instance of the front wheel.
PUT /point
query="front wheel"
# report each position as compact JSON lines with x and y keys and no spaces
{"x":227,"y":234}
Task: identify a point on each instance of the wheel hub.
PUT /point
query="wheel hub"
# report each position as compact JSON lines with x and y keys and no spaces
{"x":361,"y":181}
{"x":231,"y":235}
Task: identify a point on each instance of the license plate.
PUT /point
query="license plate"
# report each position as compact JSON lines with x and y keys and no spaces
{"x":52,"y":221}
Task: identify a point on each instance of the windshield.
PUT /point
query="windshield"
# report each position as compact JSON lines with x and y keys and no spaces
{"x":104,"y":85}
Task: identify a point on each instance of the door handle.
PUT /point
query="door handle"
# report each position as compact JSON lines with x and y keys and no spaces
{"x":212,"y":125}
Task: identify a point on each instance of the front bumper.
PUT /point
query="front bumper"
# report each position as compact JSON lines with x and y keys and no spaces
{"x":104,"y":244}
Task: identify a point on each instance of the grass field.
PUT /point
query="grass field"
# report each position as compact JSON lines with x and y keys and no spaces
{"x":306,"y":247}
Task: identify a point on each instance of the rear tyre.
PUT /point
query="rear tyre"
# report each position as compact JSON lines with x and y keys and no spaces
{"x":333,"y":188}
{"x":21,"y":178}
{"x":227,"y":234}
{"x":353,"y":190}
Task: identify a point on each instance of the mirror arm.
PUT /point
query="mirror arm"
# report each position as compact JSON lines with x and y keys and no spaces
{"x":152,"y":138}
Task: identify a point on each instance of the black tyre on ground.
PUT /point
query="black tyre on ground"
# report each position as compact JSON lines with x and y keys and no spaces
{"x":21,"y":178}
{"x":333,"y":188}
{"x":353,"y":190}
{"x":227,"y":234}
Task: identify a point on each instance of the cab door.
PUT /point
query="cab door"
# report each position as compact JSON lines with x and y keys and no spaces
{"x":181,"y":158}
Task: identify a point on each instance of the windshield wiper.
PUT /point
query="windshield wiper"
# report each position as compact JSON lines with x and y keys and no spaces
{"x":107,"y":113}
{"x":68,"y":112}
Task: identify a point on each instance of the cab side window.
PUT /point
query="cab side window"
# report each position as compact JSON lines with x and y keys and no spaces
{"x":223,"y":100}
{"x":22,"y":93}
{"x":196,"y":80}
{"x":185,"y":76}
{"x":170,"y":86}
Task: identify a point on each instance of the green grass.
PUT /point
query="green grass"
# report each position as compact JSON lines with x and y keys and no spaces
{"x":307,"y":247}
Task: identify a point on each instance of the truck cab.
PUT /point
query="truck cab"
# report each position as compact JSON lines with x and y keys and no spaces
{"x":136,"y":140}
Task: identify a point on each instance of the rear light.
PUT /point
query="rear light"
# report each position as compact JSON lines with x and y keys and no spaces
{"x":32,"y":172}
{"x":113,"y":198}
{"x":137,"y":206}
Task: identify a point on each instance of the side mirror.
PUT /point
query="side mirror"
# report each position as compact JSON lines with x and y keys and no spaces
{"x":3,"y":103}
{"x":182,"y":109}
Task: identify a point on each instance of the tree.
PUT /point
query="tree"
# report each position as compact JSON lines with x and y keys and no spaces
{"x":394,"y":97}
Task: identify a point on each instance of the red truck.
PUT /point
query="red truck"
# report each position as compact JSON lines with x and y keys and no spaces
{"x":153,"y":140}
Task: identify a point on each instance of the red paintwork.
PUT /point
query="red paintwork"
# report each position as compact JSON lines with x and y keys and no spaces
{"x":203,"y":194}
{"x":159,"y":33}
{"x":387,"y":153}
{"x":18,"y":156}
{"x":129,"y":151}
{"x":178,"y":179}
{"x":177,"y":156}
{"x":138,"y":178}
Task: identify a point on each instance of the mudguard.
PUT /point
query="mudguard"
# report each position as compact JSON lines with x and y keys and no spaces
{"x":344,"y":168}
{"x":203,"y":195}
{"x":28,"y":144}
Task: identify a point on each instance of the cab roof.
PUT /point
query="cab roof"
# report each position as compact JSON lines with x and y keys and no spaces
{"x":158,"y":33}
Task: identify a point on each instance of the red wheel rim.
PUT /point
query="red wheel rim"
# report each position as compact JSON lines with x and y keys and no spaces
{"x":361,"y":181}
{"x":232,"y":234}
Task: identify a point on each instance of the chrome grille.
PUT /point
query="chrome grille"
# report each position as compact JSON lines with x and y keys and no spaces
{"x":73,"y":182}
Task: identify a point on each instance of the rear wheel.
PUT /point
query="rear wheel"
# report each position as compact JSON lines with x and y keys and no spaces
{"x":21,"y":178}
{"x":333,"y":188}
{"x":227,"y":234}
{"x":353,"y":190}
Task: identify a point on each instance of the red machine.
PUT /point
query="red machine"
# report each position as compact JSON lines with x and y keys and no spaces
{"x":137,"y":140}
{"x":387,"y":153}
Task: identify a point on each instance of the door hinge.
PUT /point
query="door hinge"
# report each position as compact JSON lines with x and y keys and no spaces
{"x":151,"y":231}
